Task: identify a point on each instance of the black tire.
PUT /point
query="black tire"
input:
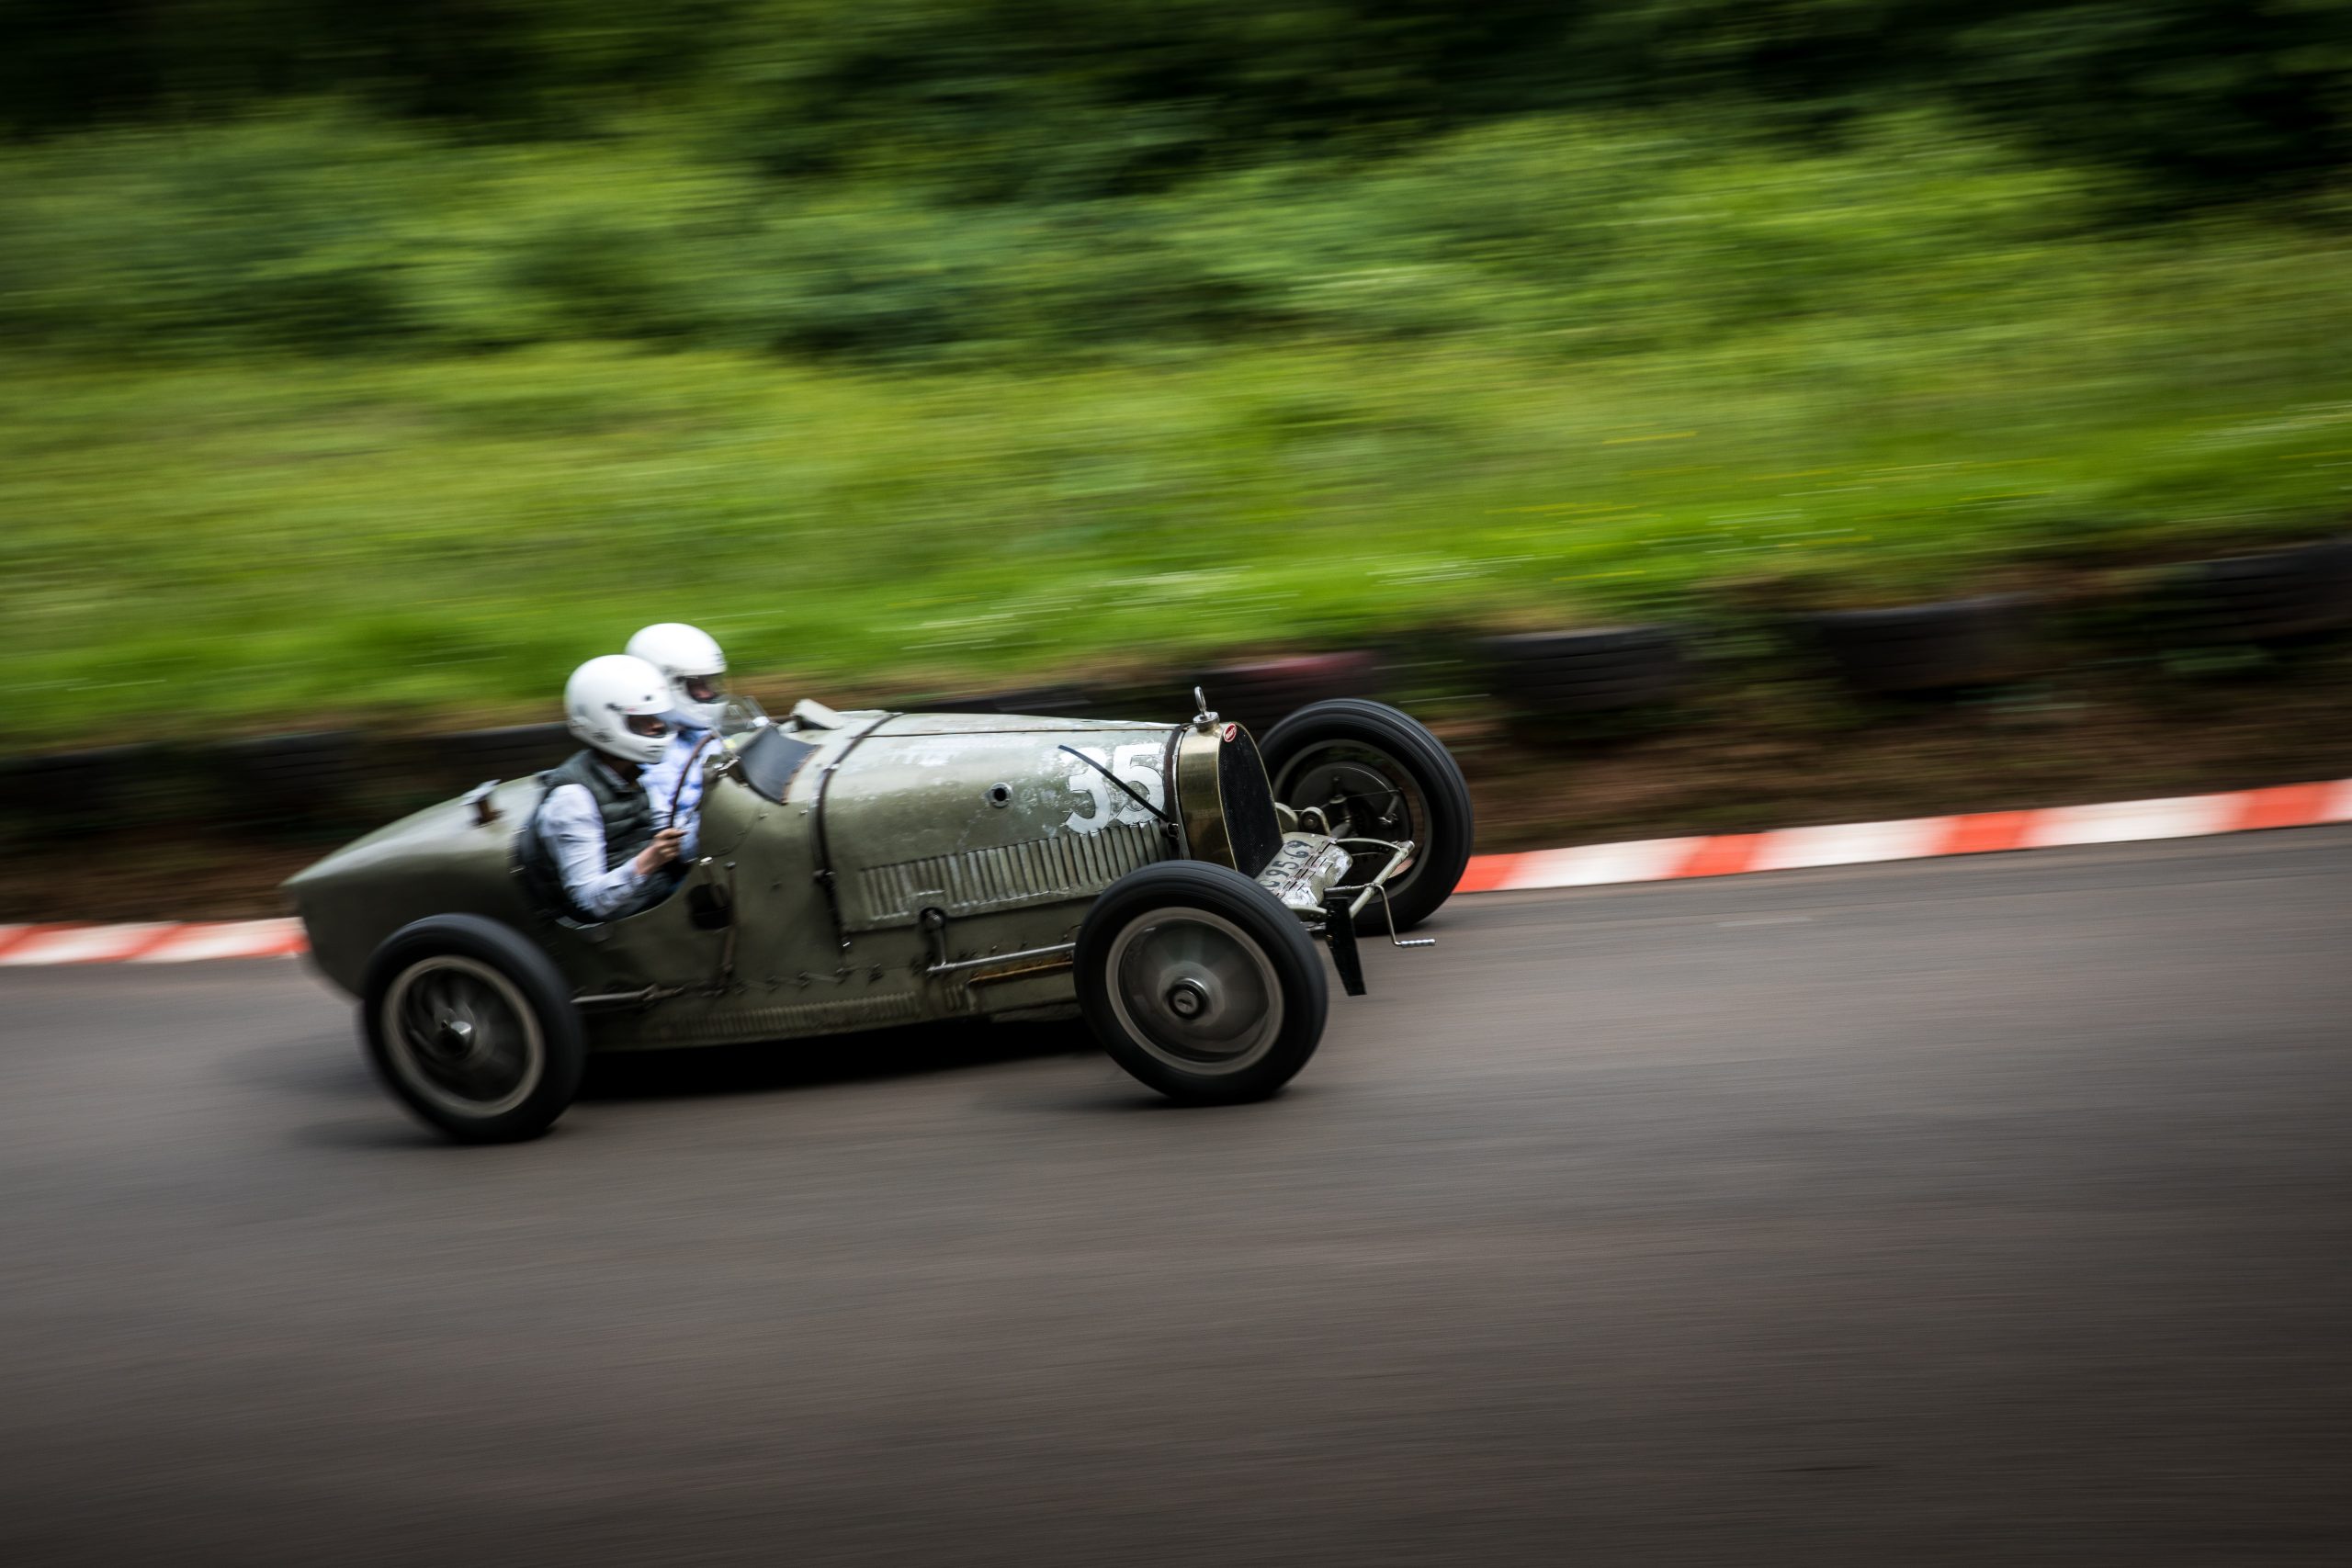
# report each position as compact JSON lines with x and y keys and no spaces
{"x":2274,"y":596}
{"x":76,"y":792}
{"x":1614,"y":646}
{"x":1544,"y":698}
{"x":521,"y":1035}
{"x":464,"y":758}
{"x":1048,"y":702}
{"x":1256,"y":694}
{"x":1928,"y":648}
{"x":1547,"y":674}
{"x":276,"y":782}
{"x":1180,"y":930}
{"x":1031,"y":702}
{"x":1303,"y":751}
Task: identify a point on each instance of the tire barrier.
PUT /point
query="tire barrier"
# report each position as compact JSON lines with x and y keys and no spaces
{"x":1945,"y":646}
{"x":311,"y":784}
{"x":1260,"y":693}
{"x":1045,"y":702}
{"x":312,"y":778}
{"x":1546,"y":676}
{"x":2270,"y":596}
{"x":469,"y":756}
{"x":74,"y":793}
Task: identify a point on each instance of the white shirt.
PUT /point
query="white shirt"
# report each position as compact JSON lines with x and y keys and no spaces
{"x":573,"y":829}
{"x":678,"y":760}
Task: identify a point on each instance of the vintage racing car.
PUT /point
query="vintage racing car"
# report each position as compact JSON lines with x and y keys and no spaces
{"x":860,"y":870}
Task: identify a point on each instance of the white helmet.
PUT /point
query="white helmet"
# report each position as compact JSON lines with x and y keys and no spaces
{"x":691,"y":663}
{"x":619,"y":705}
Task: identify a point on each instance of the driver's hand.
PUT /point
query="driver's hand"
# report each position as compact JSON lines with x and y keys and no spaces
{"x":660,"y":852}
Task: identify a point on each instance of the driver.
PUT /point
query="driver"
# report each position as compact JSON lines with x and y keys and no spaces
{"x":595,"y":828}
{"x":690,"y":662}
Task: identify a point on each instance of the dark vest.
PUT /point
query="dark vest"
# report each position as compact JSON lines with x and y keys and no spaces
{"x":628,"y":828}
{"x":629,"y":816}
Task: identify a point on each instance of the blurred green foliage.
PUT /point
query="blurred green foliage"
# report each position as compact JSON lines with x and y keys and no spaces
{"x":318,"y":234}
{"x":1054,"y":99}
{"x":390,"y":360}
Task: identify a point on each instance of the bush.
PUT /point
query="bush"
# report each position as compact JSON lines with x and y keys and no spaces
{"x":323,"y":415}
{"x":325,"y":234}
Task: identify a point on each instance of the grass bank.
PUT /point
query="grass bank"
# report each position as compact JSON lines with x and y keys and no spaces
{"x":1551,"y":372}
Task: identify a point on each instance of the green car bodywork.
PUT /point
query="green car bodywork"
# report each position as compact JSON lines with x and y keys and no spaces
{"x":859,"y":869}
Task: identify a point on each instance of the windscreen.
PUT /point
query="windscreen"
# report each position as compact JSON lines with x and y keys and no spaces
{"x":741,"y":713}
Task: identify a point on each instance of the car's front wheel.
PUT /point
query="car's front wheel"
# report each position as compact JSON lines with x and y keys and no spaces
{"x":471,"y":1028}
{"x":1388,"y":778}
{"x":1200,"y":983}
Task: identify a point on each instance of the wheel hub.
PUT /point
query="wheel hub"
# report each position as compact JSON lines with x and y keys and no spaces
{"x":459,"y":1032}
{"x":1363,"y":787}
{"x":1187,"y":997}
{"x":1194,"y":989}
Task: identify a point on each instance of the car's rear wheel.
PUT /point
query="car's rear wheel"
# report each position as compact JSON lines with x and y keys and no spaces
{"x":1200,"y":983}
{"x":471,"y":1028}
{"x":1391,"y":779}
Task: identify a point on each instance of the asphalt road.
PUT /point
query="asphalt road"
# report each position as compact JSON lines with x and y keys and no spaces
{"x":1970,"y":1212}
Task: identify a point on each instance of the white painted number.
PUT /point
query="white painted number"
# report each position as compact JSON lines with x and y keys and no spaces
{"x":1138,"y":767}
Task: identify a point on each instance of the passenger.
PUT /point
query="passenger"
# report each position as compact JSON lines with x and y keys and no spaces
{"x":593,"y":835}
{"x":696,"y":670}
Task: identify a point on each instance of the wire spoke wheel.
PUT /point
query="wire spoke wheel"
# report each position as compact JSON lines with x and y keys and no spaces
{"x":1195,"y":990}
{"x":1391,"y":780}
{"x":1378,"y":797}
{"x":461,"y":1034}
